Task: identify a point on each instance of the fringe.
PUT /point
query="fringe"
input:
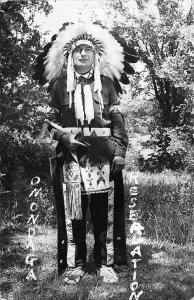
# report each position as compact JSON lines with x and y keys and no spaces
{"x":89,"y":106}
{"x":73,"y":201}
{"x":97,"y":81}
{"x":79,"y":111}
{"x":70,"y":77}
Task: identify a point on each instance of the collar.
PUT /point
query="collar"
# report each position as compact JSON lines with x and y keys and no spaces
{"x":87,"y":75}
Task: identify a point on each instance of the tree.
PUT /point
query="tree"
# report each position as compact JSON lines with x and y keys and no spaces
{"x":21,"y":101}
{"x":20,"y":39}
{"x":164,"y":38}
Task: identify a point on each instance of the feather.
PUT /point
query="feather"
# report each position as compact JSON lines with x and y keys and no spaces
{"x":115,"y":55}
{"x":124,"y":79}
{"x":128,"y":50}
{"x":89,"y":107}
{"x":130,"y":58}
{"x":128,"y":69}
{"x":130,"y":53}
{"x":117,"y":86}
{"x":39,"y":66}
{"x":79,"y":111}
{"x":111,"y":49}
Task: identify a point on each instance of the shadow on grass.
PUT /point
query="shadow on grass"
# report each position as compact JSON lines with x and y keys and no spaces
{"x":166,"y":272}
{"x":12,"y":262}
{"x":12,"y":252}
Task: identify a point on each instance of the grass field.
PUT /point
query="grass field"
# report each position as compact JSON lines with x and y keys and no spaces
{"x":166,"y":271}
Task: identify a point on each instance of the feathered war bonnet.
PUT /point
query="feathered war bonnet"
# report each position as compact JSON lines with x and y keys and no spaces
{"x":109,"y":61}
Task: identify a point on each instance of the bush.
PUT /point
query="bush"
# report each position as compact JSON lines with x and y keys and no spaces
{"x":165,"y":148}
{"x":15,"y":205}
{"x":22,"y":158}
{"x":20,"y":152}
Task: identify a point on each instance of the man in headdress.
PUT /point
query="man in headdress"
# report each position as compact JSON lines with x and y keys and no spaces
{"x":84,"y":65}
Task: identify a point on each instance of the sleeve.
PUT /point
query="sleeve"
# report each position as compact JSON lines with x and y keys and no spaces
{"x":117,"y":123}
{"x":53,"y":100}
{"x":54,"y":114}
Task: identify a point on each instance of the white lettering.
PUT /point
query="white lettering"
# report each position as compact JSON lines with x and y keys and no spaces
{"x":133,"y":178}
{"x":134,"y":275}
{"x":135,"y":262}
{"x":33,"y":230}
{"x":136,"y":228}
{"x":30,"y":245}
{"x":132,"y":206}
{"x":32,"y":206}
{"x":31,"y":275}
{"x":133,"y":215}
{"x":133,"y":191}
{"x":136,"y":296}
{"x":35,"y":192}
{"x":133,"y":202}
{"x":136,"y":251}
{"x":33,"y":219}
{"x":30,"y":258}
{"x":35,"y":180}
{"x":134,"y":286}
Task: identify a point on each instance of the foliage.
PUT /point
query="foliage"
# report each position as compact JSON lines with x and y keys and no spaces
{"x":20,"y":43}
{"x":22,"y":103}
{"x":163,"y":36}
{"x":15,"y":205}
{"x":167,"y":148}
{"x":20,"y":40}
{"x":46,"y":205}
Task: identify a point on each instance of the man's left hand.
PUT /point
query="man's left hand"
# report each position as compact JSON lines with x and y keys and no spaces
{"x":118,"y":164}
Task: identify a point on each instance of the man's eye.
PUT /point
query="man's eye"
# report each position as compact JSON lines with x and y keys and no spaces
{"x":80,"y":49}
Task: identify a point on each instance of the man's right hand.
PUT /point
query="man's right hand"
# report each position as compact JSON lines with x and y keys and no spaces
{"x":69,"y":141}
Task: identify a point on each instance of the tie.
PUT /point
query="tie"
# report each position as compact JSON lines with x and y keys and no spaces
{"x":82,"y":81}
{"x":83,"y":98}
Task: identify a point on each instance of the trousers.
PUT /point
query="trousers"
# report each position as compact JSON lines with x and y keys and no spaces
{"x":101,"y":207}
{"x":98,"y":205}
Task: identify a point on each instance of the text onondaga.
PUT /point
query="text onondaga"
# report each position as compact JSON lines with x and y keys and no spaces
{"x":31,"y":257}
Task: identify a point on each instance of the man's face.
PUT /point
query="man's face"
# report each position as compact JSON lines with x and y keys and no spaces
{"x":83,"y":58}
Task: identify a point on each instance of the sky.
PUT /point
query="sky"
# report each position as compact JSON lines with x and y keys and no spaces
{"x":70,"y":10}
{"x":87,"y":10}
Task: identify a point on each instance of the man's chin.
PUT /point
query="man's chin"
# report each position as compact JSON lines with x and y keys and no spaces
{"x":82,"y":69}
{"x":83,"y":64}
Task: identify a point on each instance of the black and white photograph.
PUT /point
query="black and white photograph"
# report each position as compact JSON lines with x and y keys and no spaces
{"x":96,"y":149}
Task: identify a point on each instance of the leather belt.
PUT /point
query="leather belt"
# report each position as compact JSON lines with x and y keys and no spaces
{"x":84,"y":130}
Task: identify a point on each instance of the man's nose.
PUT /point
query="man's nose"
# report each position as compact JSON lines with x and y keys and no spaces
{"x":83,"y":52}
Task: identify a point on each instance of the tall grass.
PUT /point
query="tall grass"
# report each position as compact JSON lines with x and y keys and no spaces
{"x":165,"y":203}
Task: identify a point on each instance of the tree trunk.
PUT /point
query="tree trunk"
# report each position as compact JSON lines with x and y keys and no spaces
{"x":190,"y":238}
